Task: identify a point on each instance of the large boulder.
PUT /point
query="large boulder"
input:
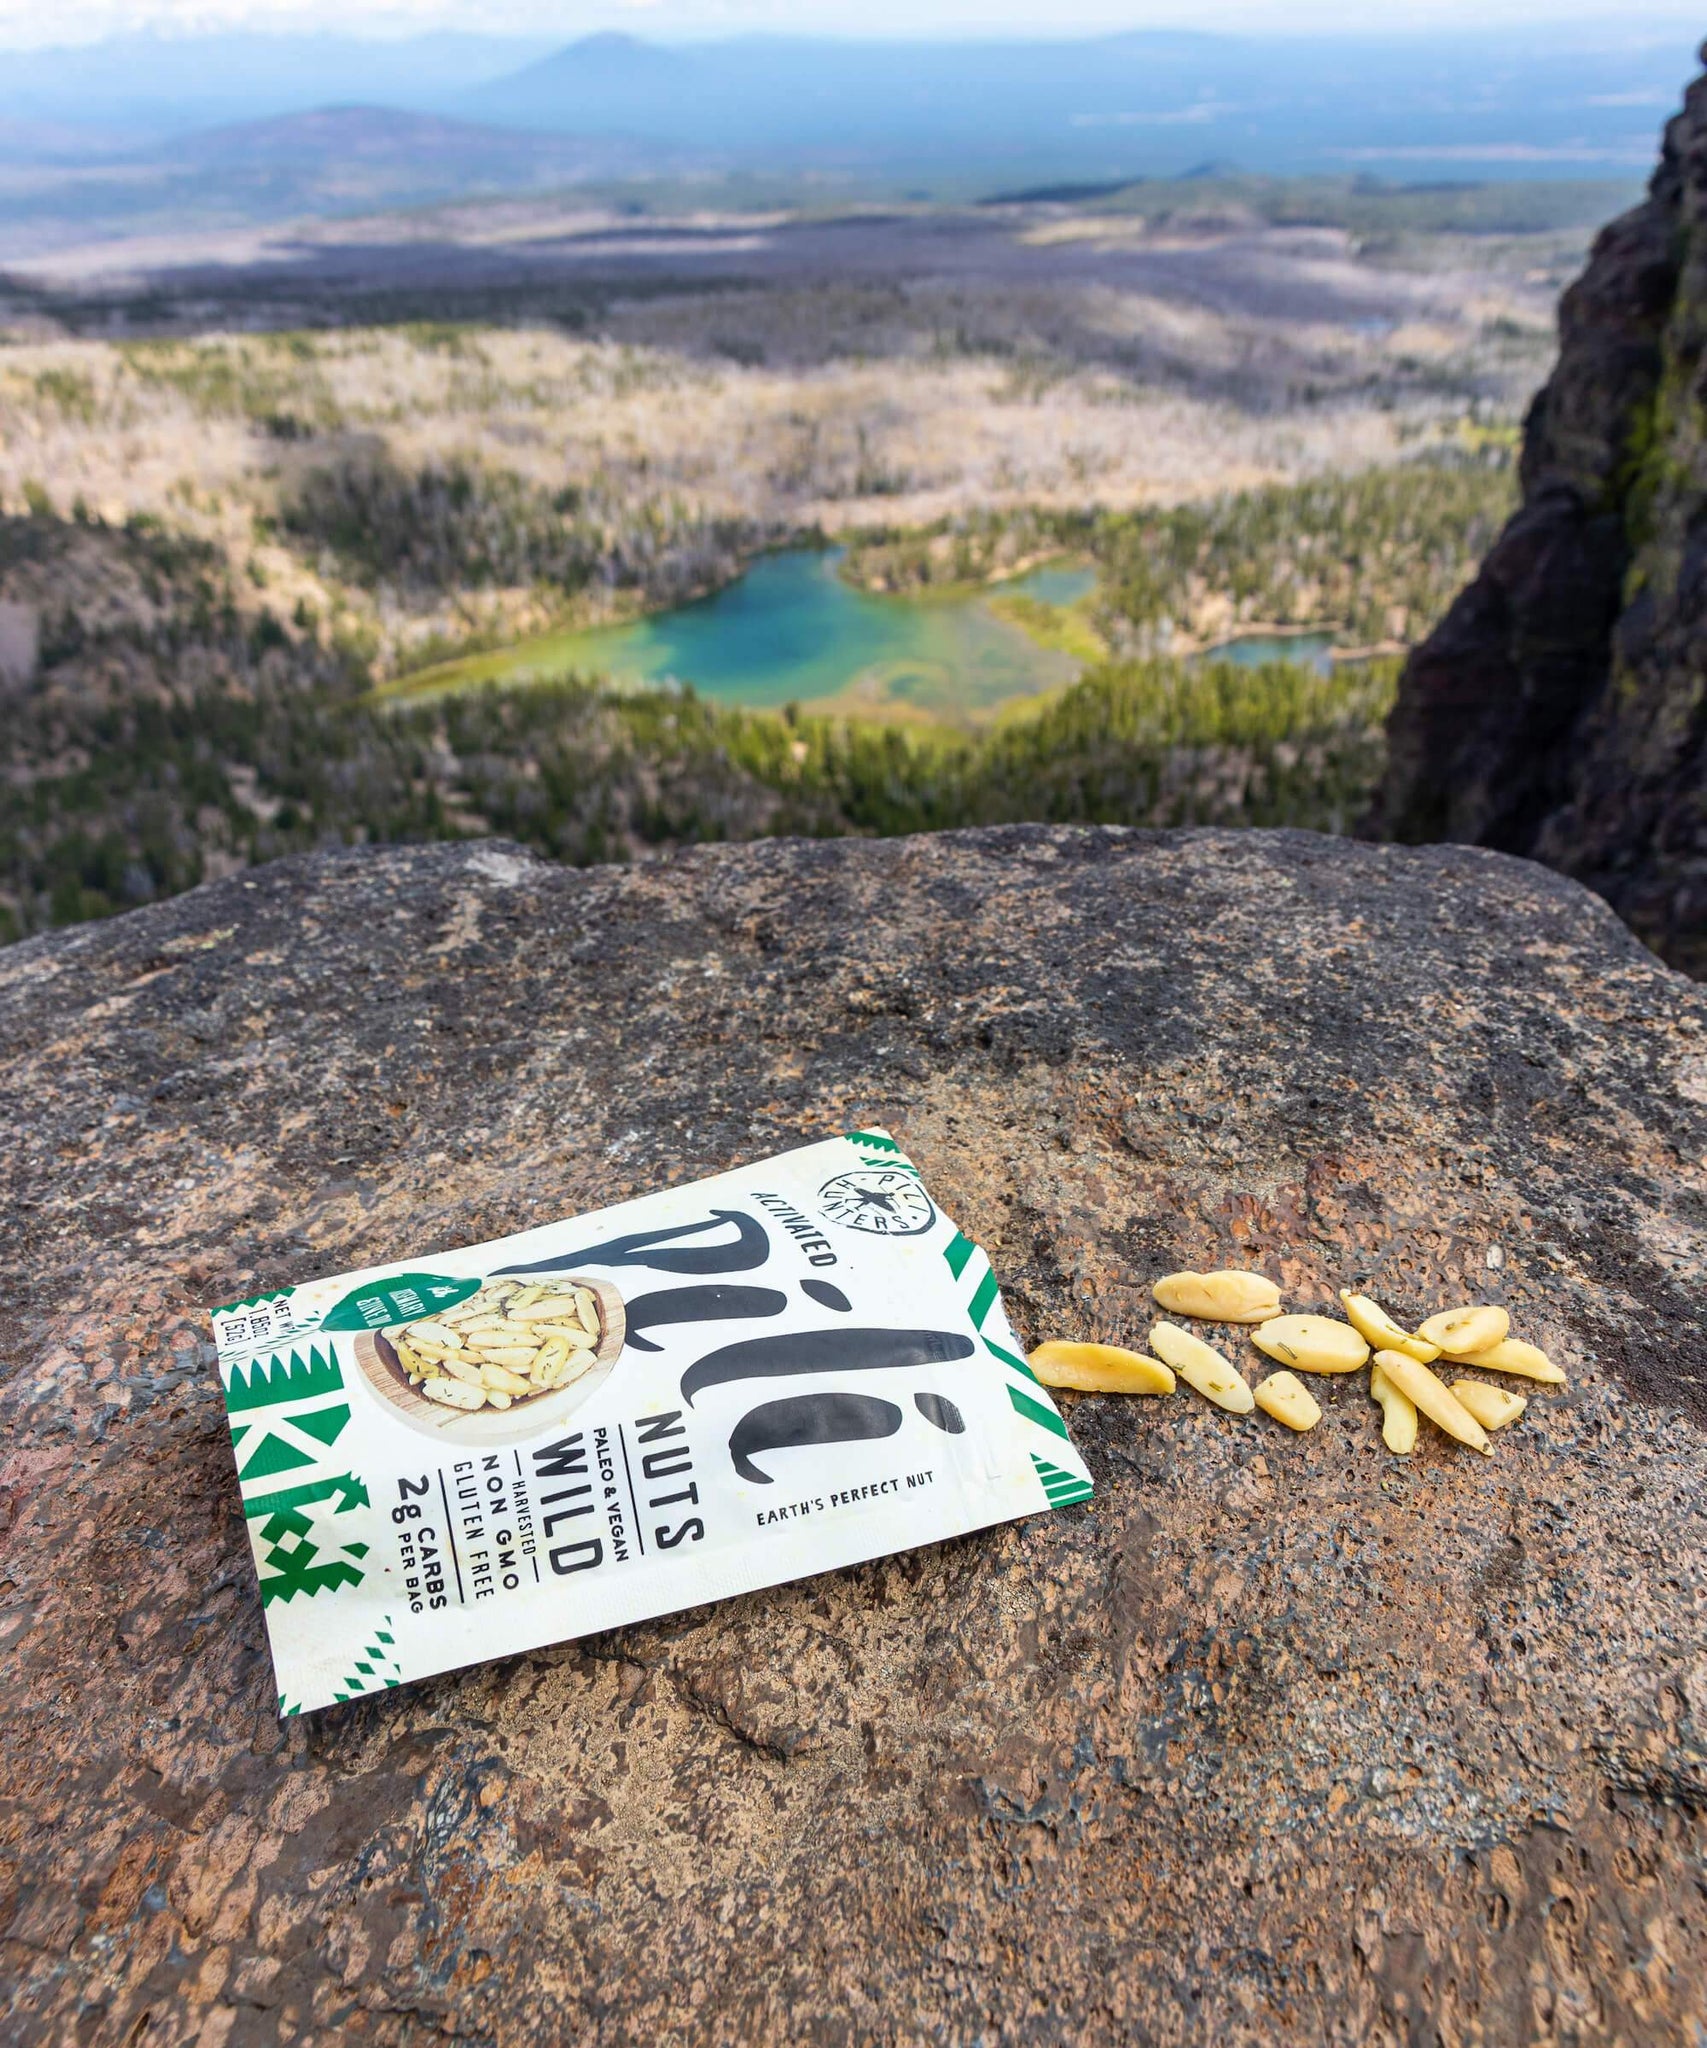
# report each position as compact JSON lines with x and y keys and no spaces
{"x":1279,"y":1739}
{"x":1560,"y":708}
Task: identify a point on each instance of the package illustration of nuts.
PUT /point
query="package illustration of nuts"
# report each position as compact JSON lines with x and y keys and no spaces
{"x":791,"y":1367}
{"x":512,"y":1342}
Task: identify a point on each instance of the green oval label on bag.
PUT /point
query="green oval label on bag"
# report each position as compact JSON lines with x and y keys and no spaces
{"x":404,"y":1298}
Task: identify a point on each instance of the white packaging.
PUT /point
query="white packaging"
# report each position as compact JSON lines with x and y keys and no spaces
{"x":795,"y":1366}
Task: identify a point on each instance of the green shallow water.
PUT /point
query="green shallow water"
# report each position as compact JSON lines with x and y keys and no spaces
{"x":791,"y":631}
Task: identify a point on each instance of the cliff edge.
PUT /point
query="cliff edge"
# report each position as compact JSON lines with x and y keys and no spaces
{"x":1279,"y":1739}
{"x":1560,"y":708}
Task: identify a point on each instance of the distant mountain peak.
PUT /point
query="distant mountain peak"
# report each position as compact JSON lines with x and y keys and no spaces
{"x":610,"y":56}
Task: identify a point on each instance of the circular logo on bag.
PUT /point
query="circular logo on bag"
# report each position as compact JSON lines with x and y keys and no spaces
{"x":881,"y":1199}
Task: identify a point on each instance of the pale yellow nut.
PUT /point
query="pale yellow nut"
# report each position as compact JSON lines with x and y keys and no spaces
{"x":451,"y":1393}
{"x":1435,"y":1399}
{"x":1513,"y":1355}
{"x":553,"y":1351}
{"x":1493,"y":1407}
{"x":458,"y":1368}
{"x":1221,"y":1297}
{"x":498,"y":1379}
{"x":571,"y":1334}
{"x":1398,"y":1413}
{"x":1379,"y":1331}
{"x":523,"y":1295}
{"x":1312,"y":1343}
{"x":1203,"y":1367}
{"x":547,"y":1309}
{"x":432,"y":1332}
{"x":518,"y":1357}
{"x":407,"y":1356}
{"x":1462,"y":1332}
{"x":554,"y":1374}
{"x":1285,"y":1396}
{"x":588,"y":1305}
{"x":496,"y":1399}
{"x":1099,"y":1369}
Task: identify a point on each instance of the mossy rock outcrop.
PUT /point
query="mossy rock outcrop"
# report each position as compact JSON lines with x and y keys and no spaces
{"x":1560,"y":708}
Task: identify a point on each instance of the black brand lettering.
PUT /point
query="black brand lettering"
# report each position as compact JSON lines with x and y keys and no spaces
{"x":565,"y":1459}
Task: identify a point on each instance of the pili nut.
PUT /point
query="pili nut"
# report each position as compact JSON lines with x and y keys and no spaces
{"x":1379,"y":1331}
{"x":1099,"y":1369}
{"x":436,"y":1333}
{"x":451,"y":1393}
{"x":1398,"y":1413}
{"x":1312,"y":1343}
{"x":1203,"y":1367}
{"x":1222,"y":1297}
{"x":506,"y":1343}
{"x":546,"y":1309}
{"x":1434,"y":1398}
{"x":1462,"y":1332}
{"x":1513,"y":1355}
{"x":1285,"y":1396}
{"x":566,"y":1333}
{"x":1493,"y":1407}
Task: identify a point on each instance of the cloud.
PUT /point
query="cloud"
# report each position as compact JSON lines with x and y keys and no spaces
{"x":1172,"y":117}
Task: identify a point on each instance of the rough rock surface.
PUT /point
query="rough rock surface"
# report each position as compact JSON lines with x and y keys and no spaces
{"x":1280,"y":1739}
{"x":1560,"y":708}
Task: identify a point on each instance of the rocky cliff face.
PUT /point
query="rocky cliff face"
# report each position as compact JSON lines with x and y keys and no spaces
{"x":1560,"y":709}
{"x":1278,"y":1740}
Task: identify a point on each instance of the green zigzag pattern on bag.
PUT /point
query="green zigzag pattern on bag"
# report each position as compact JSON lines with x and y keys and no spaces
{"x":1063,"y":1488}
{"x":300,"y":1540}
{"x":376,"y":1668}
{"x":227,"y":1308}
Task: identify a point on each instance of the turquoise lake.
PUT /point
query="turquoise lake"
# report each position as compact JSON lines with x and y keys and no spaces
{"x":791,"y":631}
{"x":1251,"y":650}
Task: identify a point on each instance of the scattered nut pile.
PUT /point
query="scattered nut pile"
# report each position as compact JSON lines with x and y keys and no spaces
{"x":505,"y":1344}
{"x":1400,"y":1379}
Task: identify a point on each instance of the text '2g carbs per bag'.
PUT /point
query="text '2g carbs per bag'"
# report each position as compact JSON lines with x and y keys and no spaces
{"x":794,"y":1366}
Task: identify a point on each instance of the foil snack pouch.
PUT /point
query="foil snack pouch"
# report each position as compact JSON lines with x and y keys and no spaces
{"x":794,"y":1366}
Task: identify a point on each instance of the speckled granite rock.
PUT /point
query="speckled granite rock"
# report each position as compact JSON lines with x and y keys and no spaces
{"x":1279,"y":1740}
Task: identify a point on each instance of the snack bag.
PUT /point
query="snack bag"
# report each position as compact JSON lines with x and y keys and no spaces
{"x":794,"y":1366}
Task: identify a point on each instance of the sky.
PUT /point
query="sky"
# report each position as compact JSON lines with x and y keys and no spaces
{"x":27,"y":24}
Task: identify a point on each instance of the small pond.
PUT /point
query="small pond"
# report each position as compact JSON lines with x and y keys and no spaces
{"x":1251,"y":650}
{"x":790,"y":630}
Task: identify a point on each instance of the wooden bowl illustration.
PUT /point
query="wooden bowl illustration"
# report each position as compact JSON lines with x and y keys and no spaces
{"x":382,"y":1367}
